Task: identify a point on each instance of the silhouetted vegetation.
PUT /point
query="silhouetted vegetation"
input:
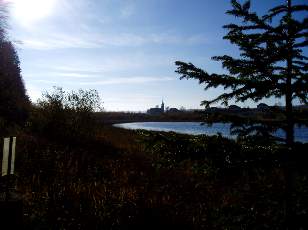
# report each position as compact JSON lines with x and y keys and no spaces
{"x":67,"y":116}
{"x":149,"y":180}
{"x":122,"y":117}
{"x":14,"y":102}
{"x":271,"y":62}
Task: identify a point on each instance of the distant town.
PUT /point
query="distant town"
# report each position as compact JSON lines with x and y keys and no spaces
{"x":218,"y":114}
{"x":159,"y":110}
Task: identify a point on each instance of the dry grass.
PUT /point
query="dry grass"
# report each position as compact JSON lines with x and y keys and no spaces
{"x":117,"y":184}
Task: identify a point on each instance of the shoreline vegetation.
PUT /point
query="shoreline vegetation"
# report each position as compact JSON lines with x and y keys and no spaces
{"x":140,"y":179}
{"x":273,"y":114}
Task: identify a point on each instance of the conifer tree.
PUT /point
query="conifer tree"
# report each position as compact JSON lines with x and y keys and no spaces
{"x":272,"y":60}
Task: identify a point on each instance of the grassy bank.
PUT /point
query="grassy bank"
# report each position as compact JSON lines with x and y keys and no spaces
{"x":125,"y":178}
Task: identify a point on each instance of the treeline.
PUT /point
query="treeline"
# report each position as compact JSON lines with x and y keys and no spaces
{"x":14,"y":103}
{"x":271,"y":114}
{"x":122,"y":117}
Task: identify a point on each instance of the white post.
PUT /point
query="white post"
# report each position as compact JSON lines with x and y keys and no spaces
{"x":13,"y":155}
{"x":9,"y":145}
{"x":5,"y":158}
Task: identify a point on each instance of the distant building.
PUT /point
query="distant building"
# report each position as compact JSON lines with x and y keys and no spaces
{"x":157,"y":111}
{"x":173,"y":110}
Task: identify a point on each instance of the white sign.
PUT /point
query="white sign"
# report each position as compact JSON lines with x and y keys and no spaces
{"x":13,"y":155}
{"x":9,"y":145}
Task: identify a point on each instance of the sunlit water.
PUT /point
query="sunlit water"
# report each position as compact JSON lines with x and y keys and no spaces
{"x":195,"y":128}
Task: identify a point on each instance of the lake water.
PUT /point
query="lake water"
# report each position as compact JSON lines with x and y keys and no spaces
{"x":195,"y":128}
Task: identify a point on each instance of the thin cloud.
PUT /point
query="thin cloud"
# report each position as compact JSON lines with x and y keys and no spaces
{"x":75,"y":75}
{"x":45,"y":81}
{"x":96,"y":68}
{"x":78,"y":70}
{"x":128,"y":80}
{"x":94,"y":40}
{"x":71,"y":74}
{"x":109,"y":81}
{"x":59,"y":42}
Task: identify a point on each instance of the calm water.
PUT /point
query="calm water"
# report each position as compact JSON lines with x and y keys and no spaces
{"x":195,"y":128}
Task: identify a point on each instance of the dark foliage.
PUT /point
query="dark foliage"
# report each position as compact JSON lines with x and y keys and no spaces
{"x":271,"y":61}
{"x":216,"y":151}
{"x":14,"y":102}
{"x":179,"y":181}
{"x":66,"y":116}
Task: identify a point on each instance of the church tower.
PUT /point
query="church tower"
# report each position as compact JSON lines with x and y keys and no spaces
{"x":162,"y":107}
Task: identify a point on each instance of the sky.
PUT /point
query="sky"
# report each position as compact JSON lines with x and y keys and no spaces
{"x":125,"y":49}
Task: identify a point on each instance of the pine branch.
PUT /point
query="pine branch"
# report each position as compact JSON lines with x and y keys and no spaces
{"x":242,"y":11}
{"x":301,"y":44}
{"x":189,"y":71}
{"x":274,"y":12}
{"x":296,"y":8}
{"x":234,"y":27}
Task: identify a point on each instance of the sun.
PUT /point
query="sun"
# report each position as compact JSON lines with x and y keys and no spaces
{"x":27,"y":12}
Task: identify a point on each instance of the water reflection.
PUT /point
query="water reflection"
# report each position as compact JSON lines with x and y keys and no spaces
{"x":269,"y":132}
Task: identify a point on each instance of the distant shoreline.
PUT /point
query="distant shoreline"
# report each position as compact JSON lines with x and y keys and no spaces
{"x":119,"y":117}
{"x":268,"y":115}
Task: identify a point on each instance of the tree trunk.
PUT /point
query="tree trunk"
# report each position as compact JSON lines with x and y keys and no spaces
{"x":289,"y":113}
{"x":288,"y":170}
{"x":289,"y":91}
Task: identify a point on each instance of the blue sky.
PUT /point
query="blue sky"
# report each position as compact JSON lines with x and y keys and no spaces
{"x":125,"y":49}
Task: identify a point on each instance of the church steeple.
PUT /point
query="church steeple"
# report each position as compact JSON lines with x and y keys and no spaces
{"x":162,"y":107}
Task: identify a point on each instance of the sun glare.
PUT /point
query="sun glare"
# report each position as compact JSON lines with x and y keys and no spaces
{"x":27,"y":12}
